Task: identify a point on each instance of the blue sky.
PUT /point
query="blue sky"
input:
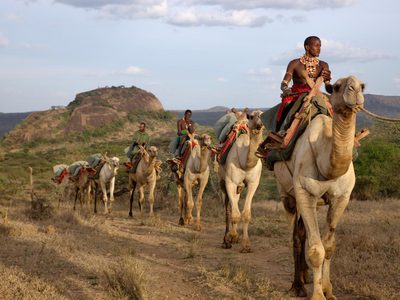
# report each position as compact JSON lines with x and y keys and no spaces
{"x":190,"y":53}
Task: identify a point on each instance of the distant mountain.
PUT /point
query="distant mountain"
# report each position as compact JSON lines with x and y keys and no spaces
{"x":101,"y":106}
{"x":9,"y":120}
{"x":382,"y":105}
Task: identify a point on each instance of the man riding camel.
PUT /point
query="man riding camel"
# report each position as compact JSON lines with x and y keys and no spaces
{"x":184,"y":126}
{"x":304,"y":72}
{"x":140,"y":138}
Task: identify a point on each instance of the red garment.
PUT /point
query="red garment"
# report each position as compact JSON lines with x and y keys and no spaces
{"x":297,"y":91}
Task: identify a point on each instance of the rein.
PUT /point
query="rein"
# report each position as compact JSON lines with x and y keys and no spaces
{"x":381,"y":118}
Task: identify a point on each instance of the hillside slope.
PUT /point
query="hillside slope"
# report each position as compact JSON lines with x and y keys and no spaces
{"x":97,"y":112}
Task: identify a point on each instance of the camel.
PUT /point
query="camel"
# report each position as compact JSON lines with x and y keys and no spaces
{"x":145,"y":175}
{"x":106,"y":175}
{"x":242,"y":168}
{"x":196,"y":170}
{"x":80,"y":182}
{"x":320,"y":170}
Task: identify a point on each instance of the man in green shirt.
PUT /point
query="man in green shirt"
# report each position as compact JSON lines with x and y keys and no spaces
{"x":140,"y":137}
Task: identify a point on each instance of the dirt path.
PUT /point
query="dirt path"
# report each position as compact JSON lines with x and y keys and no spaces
{"x":72,"y":254}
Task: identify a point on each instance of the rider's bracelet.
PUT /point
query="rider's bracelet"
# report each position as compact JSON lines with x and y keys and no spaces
{"x":284,"y":86}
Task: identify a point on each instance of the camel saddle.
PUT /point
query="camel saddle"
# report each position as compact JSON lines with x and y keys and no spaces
{"x":279,"y":147}
{"x":238,"y":129}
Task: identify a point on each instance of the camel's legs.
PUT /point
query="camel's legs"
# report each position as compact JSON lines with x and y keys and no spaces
{"x":141,"y":199}
{"x":228,"y":216}
{"x":105,"y":198}
{"x":181,"y":204}
{"x":87,"y":195}
{"x":199,"y":201}
{"x":231,"y":190}
{"x":152,"y":187}
{"x":246,"y":216}
{"x":189,"y":201}
{"x":96,"y":191}
{"x":335,"y":212}
{"x":132,"y":187}
{"x":112,"y":186}
{"x":299,"y":236}
{"x":314,"y":248}
{"x":76,"y":196}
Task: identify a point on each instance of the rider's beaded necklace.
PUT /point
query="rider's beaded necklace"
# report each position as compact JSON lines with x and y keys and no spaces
{"x":311,"y":64}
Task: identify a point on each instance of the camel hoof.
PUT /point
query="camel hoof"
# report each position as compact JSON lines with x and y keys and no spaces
{"x":298,"y":292}
{"x":198,"y":227}
{"x":318,"y":297}
{"x":181,"y":221}
{"x":130,"y":214}
{"x":234,"y":239}
{"x":332,"y":297}
{"x":246,"y":249}
{"x":226,"y":245}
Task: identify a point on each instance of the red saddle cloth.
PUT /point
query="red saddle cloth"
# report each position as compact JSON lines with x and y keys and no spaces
{"x":231,"y":138}
{"x":297,"y":91}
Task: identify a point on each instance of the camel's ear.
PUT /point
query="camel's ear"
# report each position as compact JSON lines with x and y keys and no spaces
{"x":337,"y":86}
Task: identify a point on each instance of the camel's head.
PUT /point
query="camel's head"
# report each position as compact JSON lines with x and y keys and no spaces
{"x":205,"y":140}
{"x":114,"y":162}
{"x":347,"y":94}
{"x":255,"y":121}
{"x":153,"y":151}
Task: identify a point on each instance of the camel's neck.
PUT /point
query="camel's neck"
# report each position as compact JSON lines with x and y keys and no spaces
{"x":255,"y":140}
{"x":343,"y":130}
{"x":205,"y":155}
{"x":151,"y":162}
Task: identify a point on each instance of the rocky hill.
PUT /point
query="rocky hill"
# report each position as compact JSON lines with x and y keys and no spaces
{"x":96,"y":110}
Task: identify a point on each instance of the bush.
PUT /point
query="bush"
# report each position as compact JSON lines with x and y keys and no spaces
{"x":377,"y":168}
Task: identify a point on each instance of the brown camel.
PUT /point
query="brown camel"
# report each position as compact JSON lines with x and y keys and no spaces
{"x":145,"y":175}
{"x":196,"y":170}
{"x":320,"y":169}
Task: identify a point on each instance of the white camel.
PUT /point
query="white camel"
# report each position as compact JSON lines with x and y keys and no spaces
{"x":320,"y":168}
{"x":107,"y":175}
{"x":145,"y":175}
{"x":197,"y":170}
{"x":242,"y":168}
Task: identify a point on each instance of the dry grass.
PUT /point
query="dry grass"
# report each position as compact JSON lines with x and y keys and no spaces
{"x":76,"y":255}
{"x":126,"y":280}
{"x":366,"y":262}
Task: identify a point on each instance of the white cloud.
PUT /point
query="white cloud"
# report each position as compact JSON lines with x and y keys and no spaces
{"x":334,"y":51}
{"x":3,"y":41}
{"x":276,"y":4}
{"x":133,"y":70}
{"x":35,"y":46}
{"x":240,"y":18}
{"x":135,"y":11}
{"x":263,"y":72}
{"x":12,"y":17}
{"x":123,"y":9}
{"x":344,"y":52}
{"x":222,"y":79}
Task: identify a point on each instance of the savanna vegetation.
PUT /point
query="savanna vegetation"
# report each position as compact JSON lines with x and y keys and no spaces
{"x":52,"y":252}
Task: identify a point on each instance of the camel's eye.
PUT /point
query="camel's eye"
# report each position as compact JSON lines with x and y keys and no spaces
{"x":336,"y":87}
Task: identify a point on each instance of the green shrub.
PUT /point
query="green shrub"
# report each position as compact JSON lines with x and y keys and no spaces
{"x":377,"y":169}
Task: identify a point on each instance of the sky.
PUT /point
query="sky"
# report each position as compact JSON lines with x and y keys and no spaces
{"x":192,"y":54}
